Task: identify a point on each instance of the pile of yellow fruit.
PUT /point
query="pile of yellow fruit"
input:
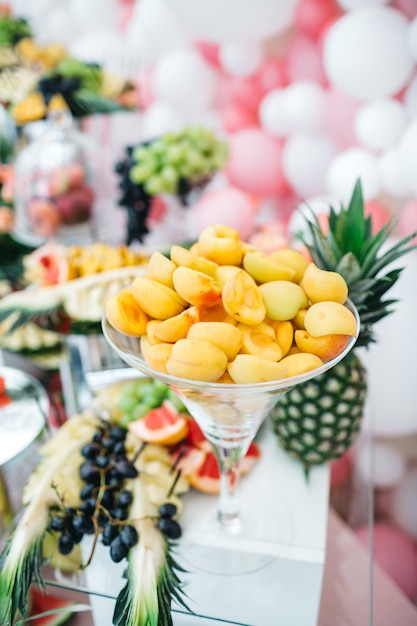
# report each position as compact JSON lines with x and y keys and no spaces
{"x":224,"y":311}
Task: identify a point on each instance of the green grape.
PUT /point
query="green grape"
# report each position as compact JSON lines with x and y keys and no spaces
{"x":140,"y":153}
{"x":154,"y":185}
{"x":140,"y":411}
{"x":169,"y":175}
{"x":142,"y":171}
{"x":175,"y":154}
{"x":127,"y":402}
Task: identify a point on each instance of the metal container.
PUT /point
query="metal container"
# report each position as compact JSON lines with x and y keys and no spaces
{"x":22,"y":432}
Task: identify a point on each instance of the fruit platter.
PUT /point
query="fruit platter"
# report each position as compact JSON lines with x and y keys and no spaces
{"x":62,"y":290}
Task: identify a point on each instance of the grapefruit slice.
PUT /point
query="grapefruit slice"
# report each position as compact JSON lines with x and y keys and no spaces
{"x":206,"y":478}
{"x":163,"y":425}
{"x":195,"y":436}
{"x":188,"y":459}
{"x":249,"y":460}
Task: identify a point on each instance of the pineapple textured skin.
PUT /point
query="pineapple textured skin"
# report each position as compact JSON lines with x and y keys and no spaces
{"x":319,"y":420}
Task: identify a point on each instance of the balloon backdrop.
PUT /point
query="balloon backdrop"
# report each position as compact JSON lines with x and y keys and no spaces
{"x":229,"y":206}
{"x":255,"y":163}
{"x":365,"y":52}
{"x":228,"y":20}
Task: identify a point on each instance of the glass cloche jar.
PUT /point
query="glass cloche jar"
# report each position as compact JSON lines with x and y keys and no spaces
{"x":56,"y":183}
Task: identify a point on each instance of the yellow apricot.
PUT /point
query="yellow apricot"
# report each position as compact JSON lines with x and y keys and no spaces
{"x":294,"y":259}
{"x":177,"y":327}
{"x":250,"y":368}
{"x":156,"y":299}
{"x":221,"y":245}
{"x":264,"y":269}
{"x":150,"y":327}
{"x":326,"y":347}
{"x":327,"y":318}
{"x":125,"y":315}
{"x":225,"y":336}
{"x":322,"y":285}
{"x":223,"y":273}
{"x":299,"y":363}
{"x":161,"y":269}
{"x":182,"y":256}
{"x":196,"y":359}
{"x":242,"y":299}
{"x":216,"y":313}
{"x":284,"y":334}
{"x":282,"y":299}
{"x":260,"y":340}
{"x":225,"y":379}
{"x":298,"y":319}
{"x":196,"y":287}
{"x":157,"y":356}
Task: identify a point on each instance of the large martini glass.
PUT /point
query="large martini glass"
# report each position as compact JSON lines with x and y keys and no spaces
{"x":229,"y":415}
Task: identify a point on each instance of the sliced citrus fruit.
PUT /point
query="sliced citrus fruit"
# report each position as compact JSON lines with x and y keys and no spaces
{"x":187,"y":459}
{"x":207,"y":477}
{"x":249,"y":460}
{"x":196,"y":437}
{"x":163,"y":425}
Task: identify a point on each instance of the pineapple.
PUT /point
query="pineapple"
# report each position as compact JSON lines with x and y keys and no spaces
{"x":319,"y":420}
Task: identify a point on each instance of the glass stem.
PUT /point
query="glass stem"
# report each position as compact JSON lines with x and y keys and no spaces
{"x":229,"y":510}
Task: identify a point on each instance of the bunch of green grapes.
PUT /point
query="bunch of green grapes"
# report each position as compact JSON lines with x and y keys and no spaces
{"x":138,"y":397}
{"x":191,"y":155}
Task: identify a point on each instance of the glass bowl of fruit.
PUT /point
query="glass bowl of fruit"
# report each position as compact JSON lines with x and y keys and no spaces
{"x":231,"y":330}
{"x":56,"y":179}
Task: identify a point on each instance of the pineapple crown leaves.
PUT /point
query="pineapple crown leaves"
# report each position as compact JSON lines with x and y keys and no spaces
{"x":349,"y":248}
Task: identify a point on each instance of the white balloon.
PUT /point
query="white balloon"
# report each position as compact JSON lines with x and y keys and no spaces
{"x":153,"y":30}
{"x":346,"y":168}
{"x":56,"y":25}
{"x":226,"y":20}
{"x":404,"y":504}
{"x":300,"y":107}
{"x":380,"y":464}
{"x":273,"y":113}
{"x":410,"y":98}
{"x":392,"y":173}
{"x":157,"y":119}
{"x":94,"y":14}
{"x":365,"y":53}
{"x":412,"y":38}
{"x":305,"y":159}
{"x":379,"y":123}
{"x":408,"y":152}
{"x":349,"y":5}
{"x":98,"y":46}
{"x":305,"y":102}
{"x":184,"y":81}
{"x":240,"y":58}
{"x":318,"y":205}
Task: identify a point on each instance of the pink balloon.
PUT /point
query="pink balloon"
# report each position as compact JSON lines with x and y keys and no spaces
{"x":272,"y":75}
{"x":408,"y":7}
{"x":379,"y":214}
{"x":255,"y":163}
{"x":235,"y":117}
{"x":144,"y":88}
{"x":394,"y":552}
{"x":312,"y":15}
{"x":229,"y":206}
{"x":407,"y":220}
{"x":303,"y":60}
{"x":245,"y":92}
{"x":340,"y":113}
{"x":209,"y":51}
